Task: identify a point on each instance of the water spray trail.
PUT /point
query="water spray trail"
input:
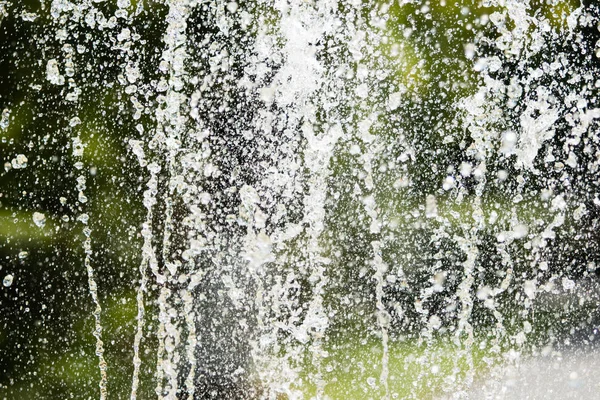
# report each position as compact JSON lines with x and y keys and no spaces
{"x":160,"y":334}
{"x":128,"y":39}
{"x":469,"y":247}
{"x":383,"y":317}
{"x":368,"y":114}
{"x":318,"y":153}
{"x":297,"y":91}
{"x":148,"y":259}
{"x":54,"y":76}
{"x":78,"y":148}
{"x":140,"y":324}
{"x":170,"y":123}
{"x":190,"y":316}
{"x":468,"y":243}
{"x":379,"y":266}
{"x":97,"y":311}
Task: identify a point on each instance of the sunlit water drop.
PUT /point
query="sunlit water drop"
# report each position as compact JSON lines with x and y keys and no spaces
{"x":39,"y":219}
{"x":8,"y":280}
{"x":20,"y":161}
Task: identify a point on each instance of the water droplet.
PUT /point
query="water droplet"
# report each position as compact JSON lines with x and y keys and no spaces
{"x":435,"y":322}
{"x":8,"y":280}
{"x":394,"y":100}
{"x":124,"y":35}
{"x":5,"y":120}
{"x":431,"y":210}
{"x":53,"y":74}
{"x":20,"y":161}
{"x":39,"y":219}
{"x":470,"y":50}
{"x":448,"y":183}
{"x":520,"y":231}
{"x":568,"y":284}
{"x":232,"y":6}
{"x":29,"y":17}
{"x":77,"y":147}
{"x":83,"y":218}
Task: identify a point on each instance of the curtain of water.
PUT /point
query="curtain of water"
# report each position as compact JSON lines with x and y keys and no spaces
{"x":330,"y":210}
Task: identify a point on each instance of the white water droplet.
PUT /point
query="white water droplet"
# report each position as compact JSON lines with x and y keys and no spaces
{"x":435,"y":322}
{"x":39,"y":219}
{"x":470,"y":50}
{"x":8,"y":280}
{"x":20,"y":161}
{"x":431,"y":210}
{"x":520,"y":231}
{"x":124,"y":35}
{"x":83,"y":218}
{"x":362,"y":91}
{"x":74,"y":121}
{"x":29,"y":17}
{"x":77,"y":147}
{"x":394,"y":100}
{"x":530,"y":289}
{"x":448,"y":183}
{"x":53,"y":74}
{"x":568,"y":284}
{"x":5,"y":119}
{"x":232,"y":6}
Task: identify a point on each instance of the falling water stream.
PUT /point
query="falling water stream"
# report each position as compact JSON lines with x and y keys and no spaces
{"x":297,"y":199}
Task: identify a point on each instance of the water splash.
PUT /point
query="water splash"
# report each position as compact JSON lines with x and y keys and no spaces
{"x":332,"y":191}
